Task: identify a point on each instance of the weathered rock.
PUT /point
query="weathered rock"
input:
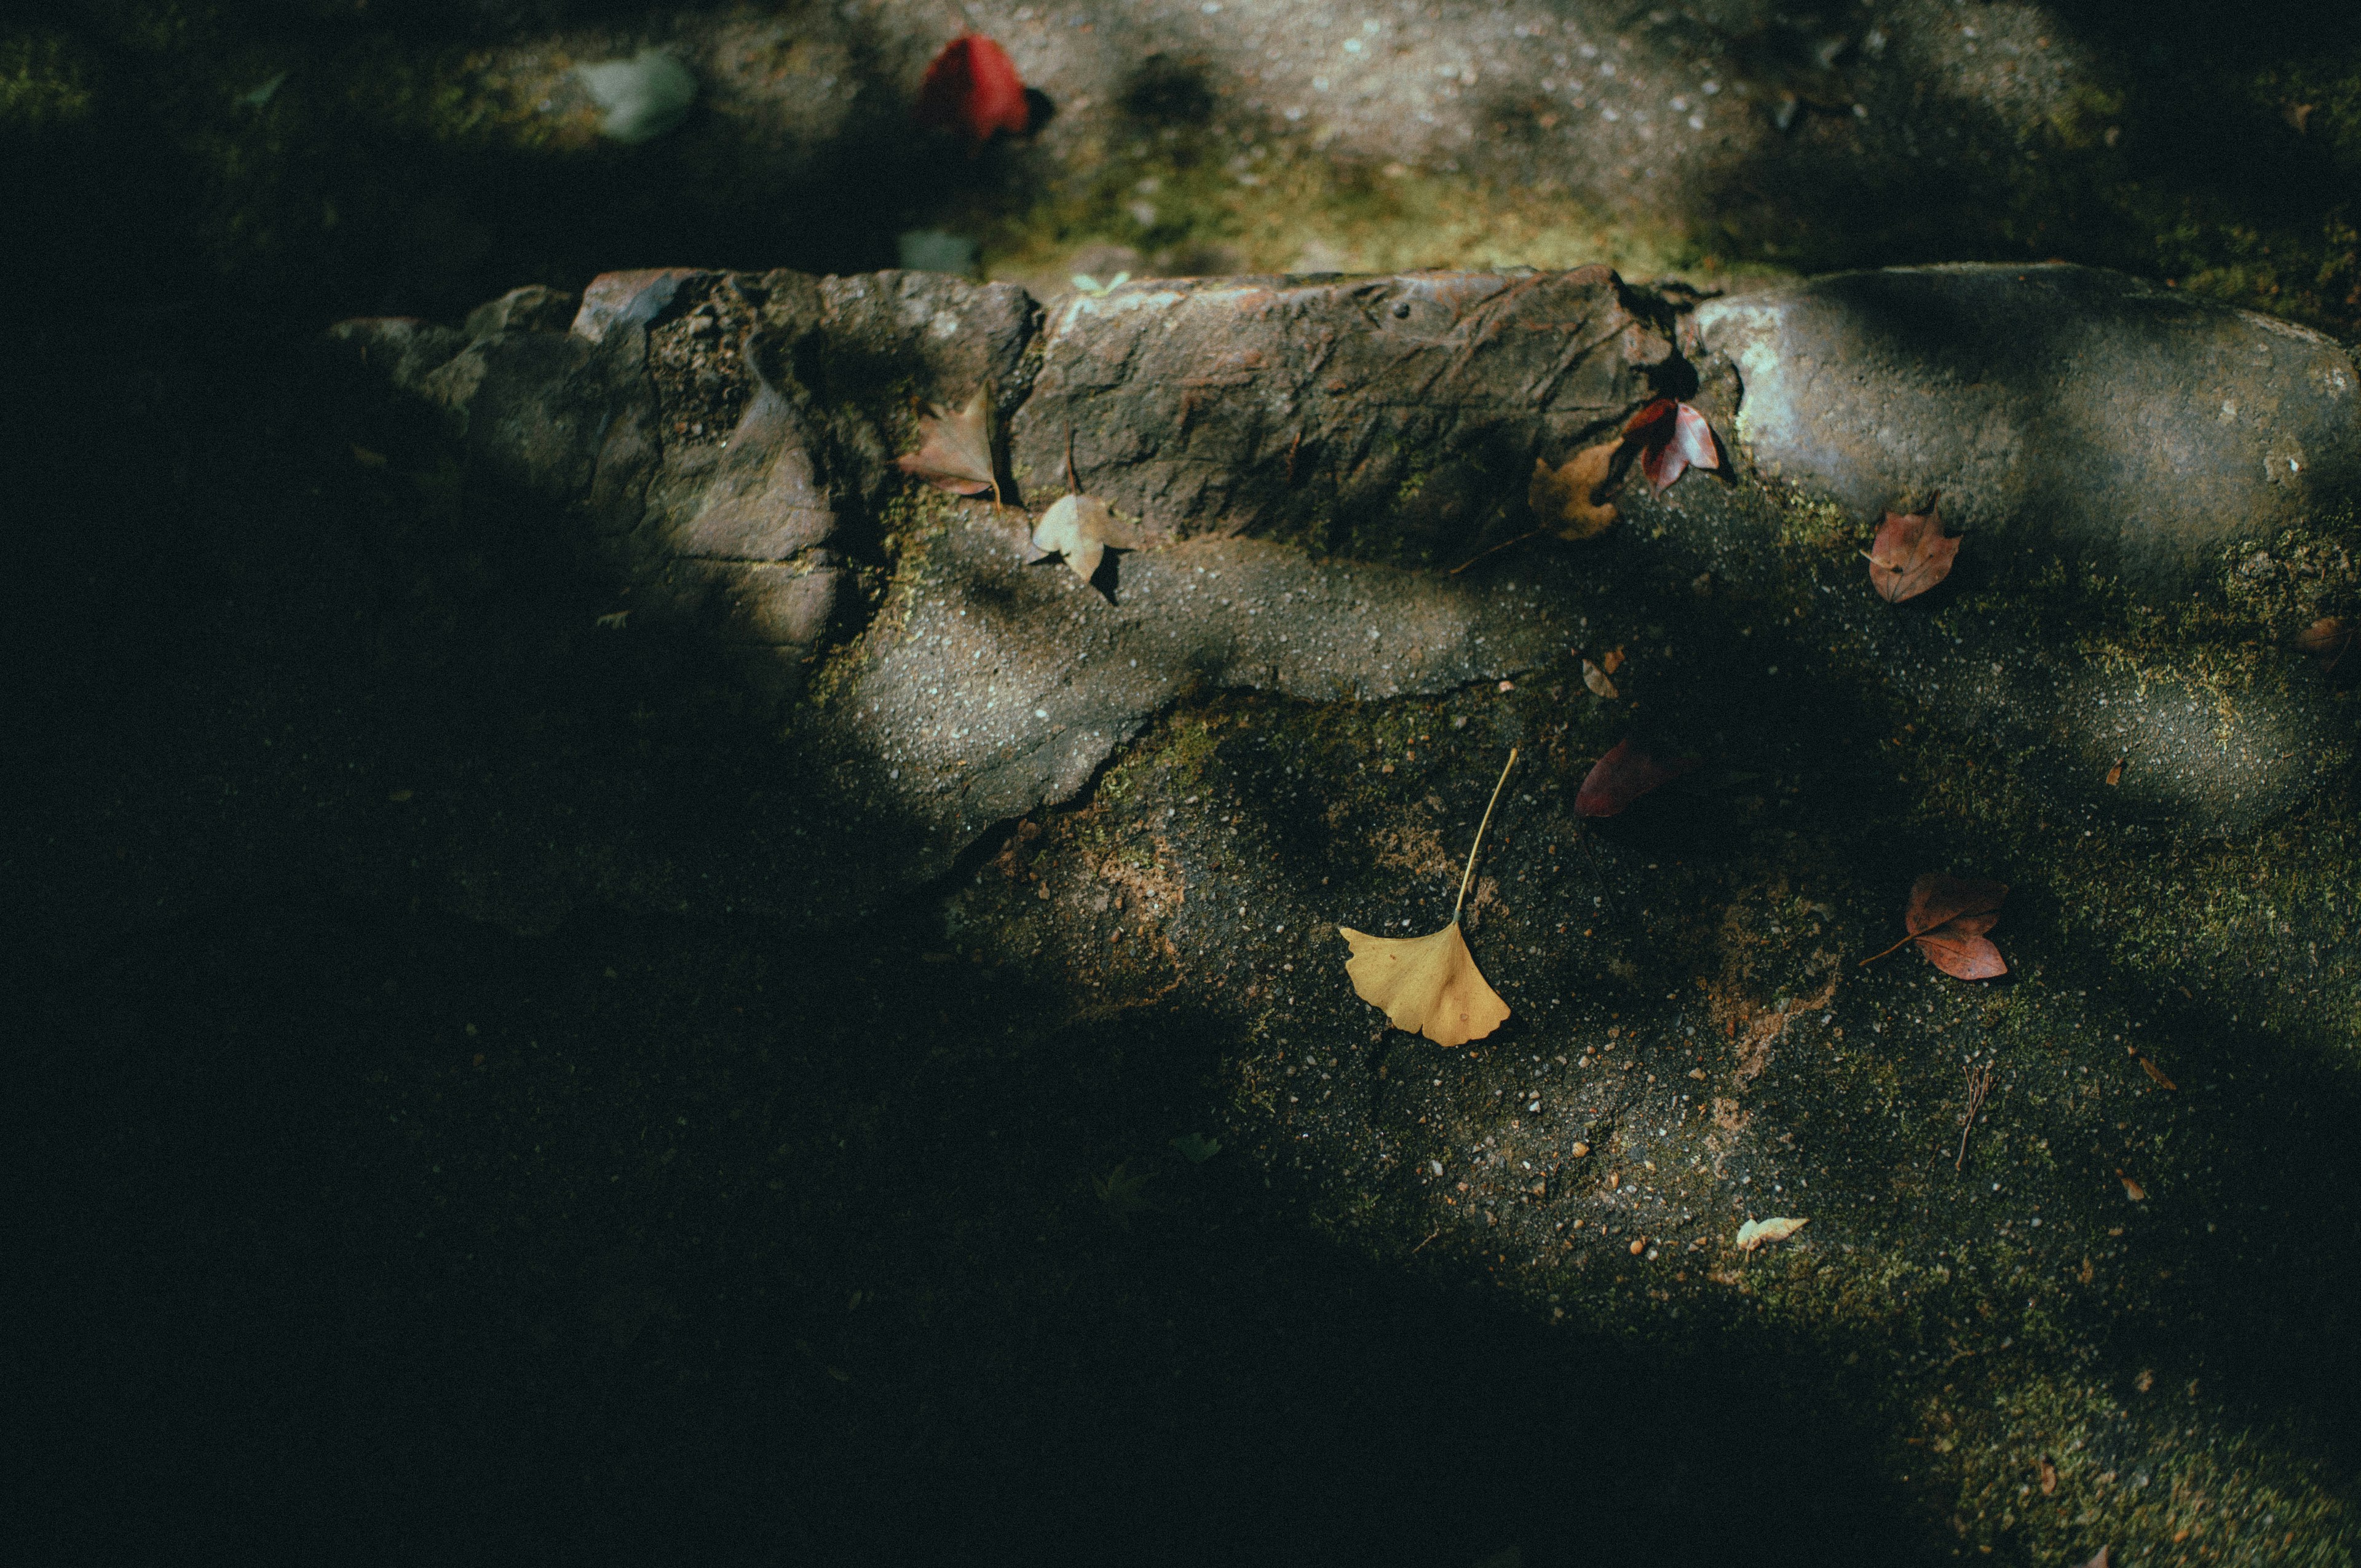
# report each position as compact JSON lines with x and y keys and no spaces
{"x":725,"y":441}
{"x":1403,"y":407}
{"x":2055,"y":409}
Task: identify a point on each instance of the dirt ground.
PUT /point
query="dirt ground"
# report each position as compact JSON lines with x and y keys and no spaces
{"x":1068,"y":1205}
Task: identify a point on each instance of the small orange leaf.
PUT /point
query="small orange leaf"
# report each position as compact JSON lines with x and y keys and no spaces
{"x":1562,"y":499}
{"x":2157,"y":1073}
{"x":2116,"y":774}
{"x":2048,"y":1477}
{"x":2132,"y":1189}
{"x":1910,"y":554}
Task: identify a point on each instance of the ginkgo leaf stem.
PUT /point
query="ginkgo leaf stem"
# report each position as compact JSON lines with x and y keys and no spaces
{"x":1874,"y":957}
{"x":1478,"y":844}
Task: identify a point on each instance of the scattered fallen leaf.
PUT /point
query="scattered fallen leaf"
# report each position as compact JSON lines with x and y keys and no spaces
{"x":1910,"y":554}
{"x":1595,"y":679}
{"x":1196,"y":1148}
{"x":2135,"y":1192}
{"x":2145,"y":1380}
{"x":955,"y":449}
{"x":1673,"y":438}
{"x":1430,"y":985}
{"x":1611,"y":661}
{"x":1947,"y":918}
{"x":1623,"y":775}
{"x":972,"y":88}
{"x":2298,"y":115}
{"x":1755,"y":1233}
{"x":2116,"y":774}
{"x":2323,"y":636}
{"x":2157,"y":1073}
{"x":2048,"y":1477}
{"x":1121,"y":1194}
{"x":1083,"y":530}
{"x":1562,"y":496}
{"x":2087,"y":1273}
{"x":2328,"y":637}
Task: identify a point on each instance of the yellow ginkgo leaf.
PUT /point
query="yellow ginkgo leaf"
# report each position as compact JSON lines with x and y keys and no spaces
{"x":1427,"y":984}
{"x":1430,"y":984}
{"x":1082,"y":529}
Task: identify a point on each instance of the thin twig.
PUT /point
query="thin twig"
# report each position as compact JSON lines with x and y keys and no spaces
{"x":1980,"y":1083}
{"x":1478,"y":844}
{"x":1430,"y":1237}
{"x":1495,"y":550}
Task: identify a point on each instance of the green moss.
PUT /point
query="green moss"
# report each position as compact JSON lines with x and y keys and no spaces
{"x":45,"y":81}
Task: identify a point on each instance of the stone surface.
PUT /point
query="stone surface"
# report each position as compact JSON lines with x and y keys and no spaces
{"x":1336,"y":407}
{"x":2054,"y":409}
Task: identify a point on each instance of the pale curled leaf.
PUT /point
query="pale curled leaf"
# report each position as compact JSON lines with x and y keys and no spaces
{"x":955,"y":449}
{"x":1910,"y":554}
{"x":1595,"y":679}
{"x":1082,"y":529}
{"x":1757,"y":1232}
{"x":1428,"y":985}
{"x":1562,"y":498}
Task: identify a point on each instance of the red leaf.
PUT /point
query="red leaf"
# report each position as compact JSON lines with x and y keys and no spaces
{"x":1960,"y":956}
{"x":1948,"y":917}
{"x":972,"y":88}
{"x":1935,"y":898}
{"x":1910,"y":554}
{"x":1673,"y":438}
{"x":1623,"y":775}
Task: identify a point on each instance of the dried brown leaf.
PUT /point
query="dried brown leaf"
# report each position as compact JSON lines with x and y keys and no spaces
{"x":2132,"y":1189}
{"x":2326,"y":635}
{"x":2048,"y":1477}
{"x":1564,"y":499}
{"x":955,"y":449}
{"x":1595,"y":679}
{"x":1082,"y":529}
{"x":1910,"y":554}
{"x":2116,"y":774}
{"x":1611,"y":661}
{"x":2157,"y":1073}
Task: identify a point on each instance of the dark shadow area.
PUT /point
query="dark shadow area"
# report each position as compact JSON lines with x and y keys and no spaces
{"x":359,"y":1231}
{"x":393,"y":1238}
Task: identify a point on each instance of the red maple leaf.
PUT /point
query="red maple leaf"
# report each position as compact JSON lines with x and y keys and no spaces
{"x":1947,"y":918}
{"x":1623,"y":775}
{"x":1673,"y":438}
{"x":1910,"y":554}
{"x":972,"y":88}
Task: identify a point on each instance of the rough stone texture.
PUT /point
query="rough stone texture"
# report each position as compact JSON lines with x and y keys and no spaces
{"x":992,"y":687}
{"x":742,"y":427}
{"x":1334,"y":405}
{"x":2055,"y":409}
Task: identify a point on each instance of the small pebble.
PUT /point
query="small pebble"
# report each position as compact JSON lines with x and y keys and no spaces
{"x":1639,"y":1245}
{"x":1580,"y":1150}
